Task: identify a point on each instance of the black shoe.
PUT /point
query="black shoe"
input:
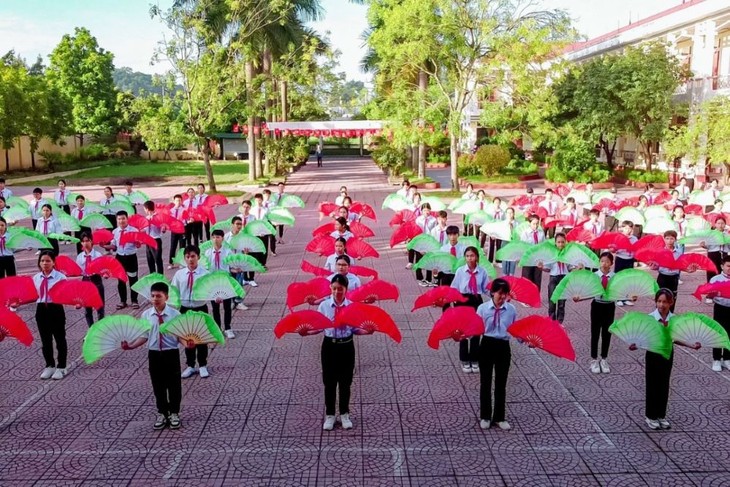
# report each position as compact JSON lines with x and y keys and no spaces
{"x":174,"y":421}
{"x":160,"y":423}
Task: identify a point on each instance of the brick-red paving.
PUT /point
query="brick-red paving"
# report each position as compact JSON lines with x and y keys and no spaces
{"x":257,"y":421}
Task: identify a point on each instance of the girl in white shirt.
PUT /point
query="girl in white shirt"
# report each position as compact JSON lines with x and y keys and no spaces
{"x":50,"y":317}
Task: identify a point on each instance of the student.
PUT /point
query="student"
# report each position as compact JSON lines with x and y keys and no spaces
{"x":216,"y":254}
{"x":341,"y":198}
{"x":721,"y":314}
{"x":658,"y":370}
{"x":105,"y":203}
{"x":128,"y":189}
{"x":593,"y":225}
{"x":680,"y":221}
{"x":439,"y":230}
{"x":411,"y":193}
{"x":47,"y":224}
{"x":50,"y":317}
{"x":509,"y":266}
{"x":164,"y":358}
{"x":200,"y":201}
{"x":35,"y":207}
{"x":318,"y":152}
{"x":610,"y":214}
{"x":342,"y":265}
{"x":338,"y":355}
{"x":403,"y":190}
{"x":624,"y":258}
{"x":260,"y":212}
{"x":3,"y":206}
{"x":569,"y":214}
{"x":715,"y":209}
{"x":533,"y":235}
{"x":184,"y":280}
{"x":7,"y":257}
{"x":4,"y":191}
{"x":177,"y":240}
{"x":416,"y":204}
{"x":351,"y":215}
{"x":340,"y":249}
{"x":236,"y":273}
{"x":426,"y":222}
{"x":454,"y":248}
{"x":494,"y":243}
{"x":127,"y":256}
{"x":269,"y":204}
{"x":61,"y":196}
{"x":469,"y":194}
{"x":674,"y":201}
{"x":551,"y":209}
{"x":84,"y":259}
{"x":683,"y":191}
{"x":716,"y":253}
{"x":689,"y":175}
{"x":154,"y":256}
{"x":279,"y":196}
{"x":557,"y":271}
{"x":246,"y":218}
{"x":669,"y":278}
{"x":649,"y":194}
{"x":342,"y":229}
{"x":471,"y":281}
{"x":495,"y":355}
{"x":79,"y":213}
{"x":343,"y":212}
{"x":192,"y":232}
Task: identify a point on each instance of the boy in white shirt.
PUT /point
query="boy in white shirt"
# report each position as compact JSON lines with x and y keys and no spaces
{"x":154,"y":256}
{"x":216,"y":254}
{"x":177,"y":240}
{"x":84,"y":259}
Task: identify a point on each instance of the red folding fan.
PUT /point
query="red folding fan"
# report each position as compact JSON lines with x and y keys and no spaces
{"x":521,"y":290}
{"x":522,"y":200}
{"x":326,"y":208}
{"x":67,"y":266}
{"x":660,"y":257}
{"x":541,"y":212}
{"x":617,"y":205}
{"x":324,"y":229}
{"x":712,"y":217}
{"x":76,"y":293}
{"x":361,"y":231}
{"x":108,"y":266}
{"x":695,"y":262}
{"x":543,"y":333}
{"x":649,"y":242}
{"x":359,"y":248}
{"x":137,"y":238}
{"x":322,"y":245}
{"x":138,"y":221}
{"x":662,"y":198}
{"x":580,"y":234}
{"x":214,"y":200}
{"x":612,"y":241}
{"x":13,"y":326}
{"x":456,"y":323}
{"x":721,"y":288}
{"x":297,"y":321}
{"x":313,"y":269}
{"x":172,"y":224}
{"x":368,"y":317}
{"x":375,"y":290}
{"x":163,"y":207}
{"x":209,"y":214}
{"x":694,"y":210}
{"x":363,"y":209}
{"x":17,"y":290}
{"x":562,"y":190}
{"x":196,"y":214}
{"x":298,"y":293}
{"x":551,"y":222}
{"x":363,"y":271}
{"x":438,"y":296}
{"x":102,"y":236}
{"x":402,"y":217}
{"x":405,"y":232}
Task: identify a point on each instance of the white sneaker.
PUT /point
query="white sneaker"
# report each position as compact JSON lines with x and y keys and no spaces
{"x":485,"y":424}
{"x":346,"y":422}
{"x":709,"y":301}
{"x":504,"y":426}
{"x":629,"y":303}
{"x":620,"y":304}
{"x":244,"y":283}
{"x":170,"y":267}
{"x":664,"y":424}
{"x":717,"y":366}
{"x":604,"y":366}
{"x":59,"y":374}
{"x":241,"y":306}
{"x":726,"y":364}
{"x":188,"y":372}
{"x":329,"y":423}
{"x":409,"y":266}
{"x":653,"y":424}
{"x":466,"y":367}
{"x":204,"y":372}
{"x":48,"y":373}
{"x":474,"y":368}
{"x":253,"y":284}
{"x":423,"y":283}
{"x":680,"y":281}
{"x":230,"y":334}
{"x":38,"y":253}
{"x":595,"y":367}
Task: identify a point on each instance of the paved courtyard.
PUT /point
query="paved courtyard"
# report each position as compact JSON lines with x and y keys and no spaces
{"x":257,"y":421}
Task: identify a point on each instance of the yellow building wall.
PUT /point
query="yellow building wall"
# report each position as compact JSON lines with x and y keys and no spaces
{"x":20,"y":157}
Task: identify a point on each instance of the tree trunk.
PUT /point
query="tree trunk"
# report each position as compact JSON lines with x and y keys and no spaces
{"x":250,"y":139}
{"x":609,"y":150}
{"x":454,"y":153}
{"x":422,"y":87}
{"x":257,"y":154}
{"x":208,"y":167}
{"x":7,"y":160}
{"x":81,"y":139}
{"x":284,"y":95}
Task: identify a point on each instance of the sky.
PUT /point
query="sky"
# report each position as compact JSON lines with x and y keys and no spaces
{"x":33,"y":27}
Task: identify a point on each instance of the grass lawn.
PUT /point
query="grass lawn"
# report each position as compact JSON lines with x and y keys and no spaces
{"x":500,"y":178}
{"x":183,"y":172}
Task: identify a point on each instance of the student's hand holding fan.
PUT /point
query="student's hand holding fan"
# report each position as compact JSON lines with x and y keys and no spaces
{"x":309,"y":292}
{"x":375,"y":290}
{"x":438,"y":296}
{"x":107,"y":266}
{"x":216,"y":286}
{"x":310,"y":268}
{"x":363,"y":271}
{"x":194,"y":326}
{"x":138,"y":239}
{"x":522,"y":290}
{"x":696,"y":330}
{"x":81,"y":294}
{"x":714,"y":290}
{"x":13,"y":326}
{"x":369,"y":319}
{"x":456,"y":323}
{"x":17,"y":290}
{"x":305,"y":322}
{"x":543,"y":333}
{"x":108,"y":333}
{"x":640,"y":330}
{"x":67,"y":266}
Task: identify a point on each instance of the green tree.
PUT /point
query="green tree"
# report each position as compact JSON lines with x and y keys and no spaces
{"x":14,"y":105}
{"x":82,"y":71}
{"x":160,"y":123}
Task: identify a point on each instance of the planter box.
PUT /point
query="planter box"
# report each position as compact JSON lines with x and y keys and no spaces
{"x":638,"y":184}
{"x":601,"y":186}
{"x":529,"y":177}
{"x":433,"y":185}
{"x":436,"y":165}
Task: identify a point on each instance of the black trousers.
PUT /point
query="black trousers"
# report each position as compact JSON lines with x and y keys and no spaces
{"x":7,"y":266}
{"x":227,"y":306}
{"x":54,"y":246}
{"x":97,"y":281}
{"x":154,"y":257}
{"x":417,"y":256}
{"x":207,"y":230}
{"x":469,"y":347}
{"x":191,"y":237}
{"x":622,"y":264}
{"x":319,"y":160}
{"x":261,"y":258}
{"x":272,"y":243}
{"x":494,"y":246}
{"x":51,"y":321}
{"x":556,"y":311}
{"x":495,"y":356}
{"x":265,"y":239}
{"x":281,"y":231}
{"x":602,"y":315}
{"x":670,"y":282}
{"x":176,"y":240}
{"x":658,"y":372}
{"x":112,"y":219}
{"x":34,"y":223}
{"x":130,"y":264}
{"x":166,"y":382}
{"x":721,"y":314}
{"x":200,"y":351}
{"x":690,"y":184}
{"x":338,"y":366}
{"x":533,"y":274}
{"x":445,"y":279}
{"x":716,"y":258}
